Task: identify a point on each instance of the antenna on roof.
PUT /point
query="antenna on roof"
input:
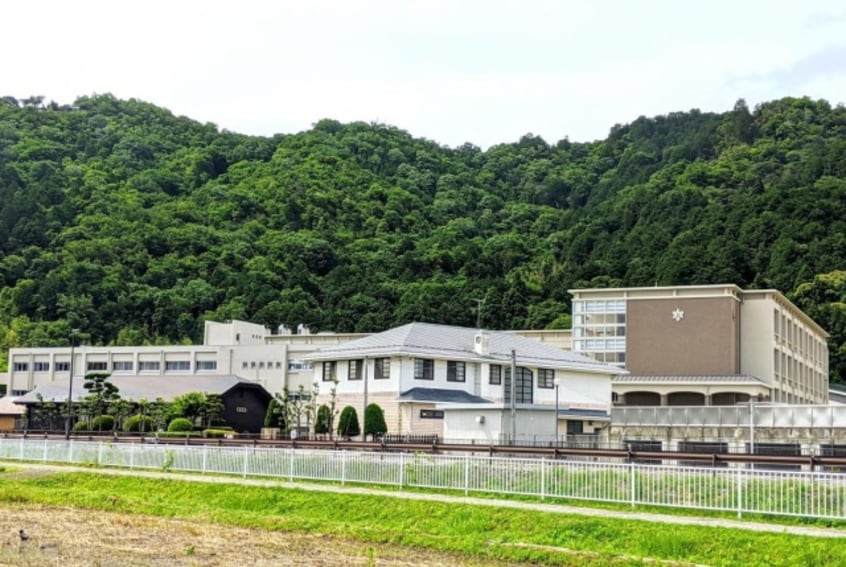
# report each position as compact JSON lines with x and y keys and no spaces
{"x":479,"y":312}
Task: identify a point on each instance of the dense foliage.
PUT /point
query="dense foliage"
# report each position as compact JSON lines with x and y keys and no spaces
{"x":133,"y":225}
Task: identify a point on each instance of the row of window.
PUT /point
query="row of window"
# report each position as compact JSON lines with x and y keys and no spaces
{"x":270,"y":364}
{"x":355,"y":369}
{"x":119,"y":366}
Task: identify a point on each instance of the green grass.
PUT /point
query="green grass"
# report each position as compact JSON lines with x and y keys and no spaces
{"x":479,"y":531}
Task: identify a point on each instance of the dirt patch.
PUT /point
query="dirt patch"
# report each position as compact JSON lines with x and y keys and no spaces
{"x":69,"y":537}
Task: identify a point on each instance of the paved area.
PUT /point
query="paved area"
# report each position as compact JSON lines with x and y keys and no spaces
{"x":541,"y":507}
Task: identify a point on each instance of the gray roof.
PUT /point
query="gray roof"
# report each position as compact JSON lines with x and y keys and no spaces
{"x":441,"y":395}
{"x":140,"y":387}
{"x":681,"y":379}
{"x":456,"y":343}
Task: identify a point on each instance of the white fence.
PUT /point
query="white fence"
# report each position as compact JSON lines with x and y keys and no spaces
{"x":806,"y":494}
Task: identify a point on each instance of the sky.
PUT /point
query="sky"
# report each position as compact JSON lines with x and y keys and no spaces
{"x":453,"y":71}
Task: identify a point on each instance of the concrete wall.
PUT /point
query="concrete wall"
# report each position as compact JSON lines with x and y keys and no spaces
{"x":706,"y":340}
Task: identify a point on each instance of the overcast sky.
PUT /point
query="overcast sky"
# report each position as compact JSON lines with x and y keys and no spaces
{"x":483,"y":72}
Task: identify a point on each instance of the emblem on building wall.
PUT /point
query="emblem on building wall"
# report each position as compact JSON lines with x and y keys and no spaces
{"x":678,"y":315}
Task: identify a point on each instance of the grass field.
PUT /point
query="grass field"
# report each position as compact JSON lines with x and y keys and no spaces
{"x":132,"y":520}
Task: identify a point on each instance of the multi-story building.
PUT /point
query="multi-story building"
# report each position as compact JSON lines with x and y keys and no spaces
{"x":236,"y":348}
{"x":702,"y":345}
{"x":455,"y":382}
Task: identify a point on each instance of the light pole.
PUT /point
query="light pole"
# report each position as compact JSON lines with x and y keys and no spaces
{"x":752,"y":425}
{"x":557,"y":383}
{"x":70,"y":386}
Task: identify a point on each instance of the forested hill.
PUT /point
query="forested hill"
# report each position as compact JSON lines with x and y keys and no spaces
{"x":134,"y":225}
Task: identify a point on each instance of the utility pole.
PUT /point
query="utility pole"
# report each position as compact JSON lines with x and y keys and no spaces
{"x":364,"y":412}
{"x":480,"y":302}
{"x":513,"y":396}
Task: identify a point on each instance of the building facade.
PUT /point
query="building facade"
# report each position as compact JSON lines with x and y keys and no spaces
{"x":702,"y":345}
{"x":455,"y":382}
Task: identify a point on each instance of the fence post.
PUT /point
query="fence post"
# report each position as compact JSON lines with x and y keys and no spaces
{"x":402,"y":469}
{"x":131,"y":455}
{"x":44,"y":457}
{"x":466,"y":475}
{"x":543,"y":478}
{"x":343,"y":468}
{"x":291,"y":464}
{"x":21,"y":450}
{"x":99,"y":453}
{"x":246,"y":460}
{"x":632,"y":487}
{"x":739,"y":494}
{"x":205,"y":458}
{"x":70,"y":451}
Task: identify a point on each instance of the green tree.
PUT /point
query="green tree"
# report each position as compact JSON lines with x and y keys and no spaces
{"x":101,"y":392}
{"x":348,"y":423}
{"x":323,"y":426}
{"x":374,"y":421}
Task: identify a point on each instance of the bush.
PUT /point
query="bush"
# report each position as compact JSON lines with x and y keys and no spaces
{"x":179,"y":434}
{"x":217,"y":433}
{"x":82,"y":426}
{"x":374,"y":421}
{"x":348,"y":423}
{"x":180,"y":424}
{"x":134,"y":423}
{"x":324,"y":417}
{"x":103,"y":423}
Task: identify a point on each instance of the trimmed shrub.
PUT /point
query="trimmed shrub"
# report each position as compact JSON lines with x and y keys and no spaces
{"x":179,"y":424}
{"x":374,"y":421}
{"x":134,"y":423}
{"x":324,"y":416}
{"x":82,"y":426}
{"x":216,"y":433}
{"x":103,"y":423}
{"x":348,"y":423}
{"x":179,"y":434}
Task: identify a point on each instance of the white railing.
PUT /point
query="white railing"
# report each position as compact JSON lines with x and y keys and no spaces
{"x":740,"y":490}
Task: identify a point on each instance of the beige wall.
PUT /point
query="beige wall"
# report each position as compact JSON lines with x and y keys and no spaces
{"x":658,"y":344}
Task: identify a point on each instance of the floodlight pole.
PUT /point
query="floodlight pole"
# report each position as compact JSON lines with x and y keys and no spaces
{"x":69,"y":419}
{"x":513,"y":397}
{"x":557,"y":382}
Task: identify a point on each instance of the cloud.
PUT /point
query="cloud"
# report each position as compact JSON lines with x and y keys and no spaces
{"x":826,"y":63}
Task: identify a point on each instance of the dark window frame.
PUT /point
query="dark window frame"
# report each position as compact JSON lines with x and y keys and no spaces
{"x":354,"y":369}
{"x":424,"y":369}
{"x":431,"y":414}
{"x":546,"y":378}
{"x":330,"y":370}
{"x":495,"y":378}
{"x":382,"y":369}
{"x":456,"y":371}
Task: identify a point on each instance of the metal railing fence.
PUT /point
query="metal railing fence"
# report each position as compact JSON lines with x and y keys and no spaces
{"x":740,"y":490}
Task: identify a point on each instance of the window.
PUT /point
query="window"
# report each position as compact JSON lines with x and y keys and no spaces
{"x":21,"y":366}
{"x":176,"y":365}
{"x":431,"y":414}
{"x":382,"y":368}
{"x":123,"y":366}
{"x":63,"y":367}
{"x":495,"y":375}
{"x":206,"y":365}
{"x":148,"y":366}
{"x":244,"y":365}
{"x":455,"y":371}
{"x":355,"y":370}
{"x":329,"y":368}
{"x":261,"y":364}
{"x":97,"y":366}
{"x":41,"y":367}
{"x":522,"y":386}
{"x":424,"y":369}
{"x":546,"y":378}
{"x":2,"y":390}
{"x":16,"y":393}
